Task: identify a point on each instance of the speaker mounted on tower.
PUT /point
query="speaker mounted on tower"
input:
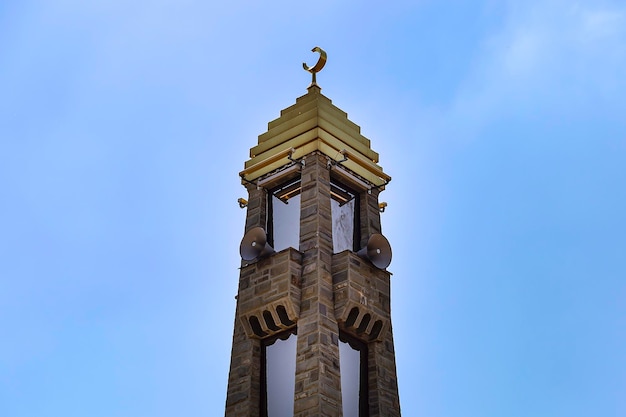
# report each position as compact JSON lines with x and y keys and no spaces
{"x":254,"y":245}
{"x":377,"y":251}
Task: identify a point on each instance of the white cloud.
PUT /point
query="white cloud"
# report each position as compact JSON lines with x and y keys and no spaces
{"x":598,"y":24}
{"x":547,"y":57}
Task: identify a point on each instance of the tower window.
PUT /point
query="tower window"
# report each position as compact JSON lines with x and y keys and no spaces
{"x":278,"y":375}
{"x":354,"y":387}
{"x":284,"y":224}
{"x":344,"y":211}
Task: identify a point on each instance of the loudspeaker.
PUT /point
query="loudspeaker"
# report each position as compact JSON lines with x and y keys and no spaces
{"x":377,"y":251}
{"x":254,"y":245}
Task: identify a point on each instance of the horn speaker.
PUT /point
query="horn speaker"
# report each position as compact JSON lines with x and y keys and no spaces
{"x":377,"y":251}
{"x":254,"y":245}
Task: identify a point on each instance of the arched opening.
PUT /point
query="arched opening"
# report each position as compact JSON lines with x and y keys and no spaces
{"x":256,"y":326}
{"x":376,"y":328}
{"x":364,"y":323}
{"x":352,"y":316}
{"x":283,"y":316}
{"x":269,"y":321}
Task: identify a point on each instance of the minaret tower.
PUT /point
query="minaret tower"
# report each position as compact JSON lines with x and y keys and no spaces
{"x":312,"y":330}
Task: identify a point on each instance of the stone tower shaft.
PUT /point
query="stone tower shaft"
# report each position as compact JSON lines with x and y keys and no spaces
{"x":312,"y":308}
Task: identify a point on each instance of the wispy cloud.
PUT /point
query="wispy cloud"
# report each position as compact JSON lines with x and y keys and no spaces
{"x":546,"y":57}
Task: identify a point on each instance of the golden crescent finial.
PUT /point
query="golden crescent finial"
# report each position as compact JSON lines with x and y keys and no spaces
{"x":320,"y":62}
{"x":318,"y":66}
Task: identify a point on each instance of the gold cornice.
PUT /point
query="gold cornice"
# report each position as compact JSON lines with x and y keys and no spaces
{"x":312,"y":124}
{"x":311,"y":142}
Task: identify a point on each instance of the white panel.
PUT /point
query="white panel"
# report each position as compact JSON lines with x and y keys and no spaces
{"x":350,"y":367}
{"x":281,"y":377}
{"x":286,"y":218}
{"x":343,"y":225}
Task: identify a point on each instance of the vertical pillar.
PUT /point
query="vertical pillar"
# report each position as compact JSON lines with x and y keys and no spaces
{"x":244,"y":380}
{"x":257,"y":207}
{"x":370,"y":215}
{"x":383,"y":382}
{"x":382,"y":379}
{"x":318,"y":384}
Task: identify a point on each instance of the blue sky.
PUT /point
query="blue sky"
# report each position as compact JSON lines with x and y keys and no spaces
{"x":123,"y":126}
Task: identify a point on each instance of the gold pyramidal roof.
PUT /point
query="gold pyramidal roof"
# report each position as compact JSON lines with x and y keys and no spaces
{"x":314,"y":124}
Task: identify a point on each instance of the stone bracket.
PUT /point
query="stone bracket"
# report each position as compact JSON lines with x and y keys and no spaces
{"x":269,"y":294}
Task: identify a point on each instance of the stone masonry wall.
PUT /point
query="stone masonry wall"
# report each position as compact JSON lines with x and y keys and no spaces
{"x":269,"y":292}
{"x":244,"y":379}
{"x":320,"y":291}
{"x":318,"y":384}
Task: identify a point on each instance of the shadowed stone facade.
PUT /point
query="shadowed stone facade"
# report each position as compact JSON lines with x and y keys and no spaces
{"x":323,"y":296}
